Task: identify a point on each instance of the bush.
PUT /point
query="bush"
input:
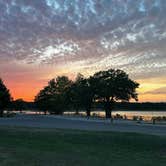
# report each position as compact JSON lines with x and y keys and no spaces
{"x":118,"y":116}
{"x":9,"y":114}
{"x":135,"y":118}
{"x":159,"y":118}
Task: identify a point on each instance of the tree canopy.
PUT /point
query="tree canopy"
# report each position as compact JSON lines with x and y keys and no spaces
{"x":82,"y":94}
{"x":5,"y":97}
{"x":107,"y":86}
{"x":113,"y":85}
{"x":53,"y":97}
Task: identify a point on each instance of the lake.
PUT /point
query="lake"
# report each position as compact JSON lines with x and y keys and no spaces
{"x":147,"y":115}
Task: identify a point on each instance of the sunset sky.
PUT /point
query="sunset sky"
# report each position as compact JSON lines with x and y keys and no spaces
{"x":40,"y":39}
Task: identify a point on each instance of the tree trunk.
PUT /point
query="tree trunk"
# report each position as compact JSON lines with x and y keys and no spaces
{"x":1,"y":113}
{"x":88,"y":110}
{"x":45,"y":112}
{"x":108,"y":114}
{"x":77,"y":110}
{"x":108,"y":108}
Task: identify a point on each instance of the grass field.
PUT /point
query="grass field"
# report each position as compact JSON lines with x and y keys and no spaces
{"x":50,"y":147}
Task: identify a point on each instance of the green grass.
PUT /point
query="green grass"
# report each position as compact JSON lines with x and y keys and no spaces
{"x":50,"y":147}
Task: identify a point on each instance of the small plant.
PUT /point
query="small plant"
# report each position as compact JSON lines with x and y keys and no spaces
{"x":140,"y":118}
{"x":9,"y":114}
{"x":159,"y":118}
{"x":125,"y":117}
{"x":135,"y":118}
{"x":118,"y":116}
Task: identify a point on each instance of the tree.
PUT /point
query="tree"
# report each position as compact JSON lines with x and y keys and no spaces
{"x":74,"y":94}
{"x":113,"y":85}
{"x":5,"y":98}
{"x":63,"y":84}
{"x":53,"y":97}
{"x":82,"y":94}
{"x":87,"y":95}
{"x":43,"y":97}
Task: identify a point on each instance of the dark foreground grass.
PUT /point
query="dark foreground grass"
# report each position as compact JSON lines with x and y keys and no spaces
{"x":50,"y":147}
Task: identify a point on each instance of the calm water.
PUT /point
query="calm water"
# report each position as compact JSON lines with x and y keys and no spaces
{"x":147,"y":115}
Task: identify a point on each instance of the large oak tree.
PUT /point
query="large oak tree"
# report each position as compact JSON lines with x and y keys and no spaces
{"x":113,"y":85}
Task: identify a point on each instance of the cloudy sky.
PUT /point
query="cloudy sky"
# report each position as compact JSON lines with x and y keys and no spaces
{"x":40,"y":39}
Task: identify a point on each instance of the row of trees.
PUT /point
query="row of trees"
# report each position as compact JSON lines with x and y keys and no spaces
{"x":62,"y":94}
{"x":105,"y":86}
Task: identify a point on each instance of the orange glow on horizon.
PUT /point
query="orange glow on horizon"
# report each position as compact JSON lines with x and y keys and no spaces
{"x":33,"y":87}
{"x":26,"y":84}
{"x":28,"y":94}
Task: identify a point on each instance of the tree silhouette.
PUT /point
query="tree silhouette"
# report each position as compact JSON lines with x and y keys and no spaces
{"x":87,"y":95}
{"x":113,"y":85}
{"x":5,"y":98}
{"x":74,"y":93}
{"x":53,"y":97}
{"x":60,"y":101}
{"x":105,"y":86}
{"x":82,"y":94}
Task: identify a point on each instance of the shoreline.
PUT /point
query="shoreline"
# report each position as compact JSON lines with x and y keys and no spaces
{"x":61,"y":122}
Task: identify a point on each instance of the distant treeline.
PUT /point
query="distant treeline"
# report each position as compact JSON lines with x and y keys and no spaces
{"x":142,"y":106}
{"x":147,"y":106}
{"x":118,"y":106}
{"x":21,"y":105}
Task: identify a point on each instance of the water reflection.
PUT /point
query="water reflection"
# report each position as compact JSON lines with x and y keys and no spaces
{"x":146,"y":115}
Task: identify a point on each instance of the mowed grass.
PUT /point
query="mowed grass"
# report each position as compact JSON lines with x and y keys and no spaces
{"x":51,"y":147}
